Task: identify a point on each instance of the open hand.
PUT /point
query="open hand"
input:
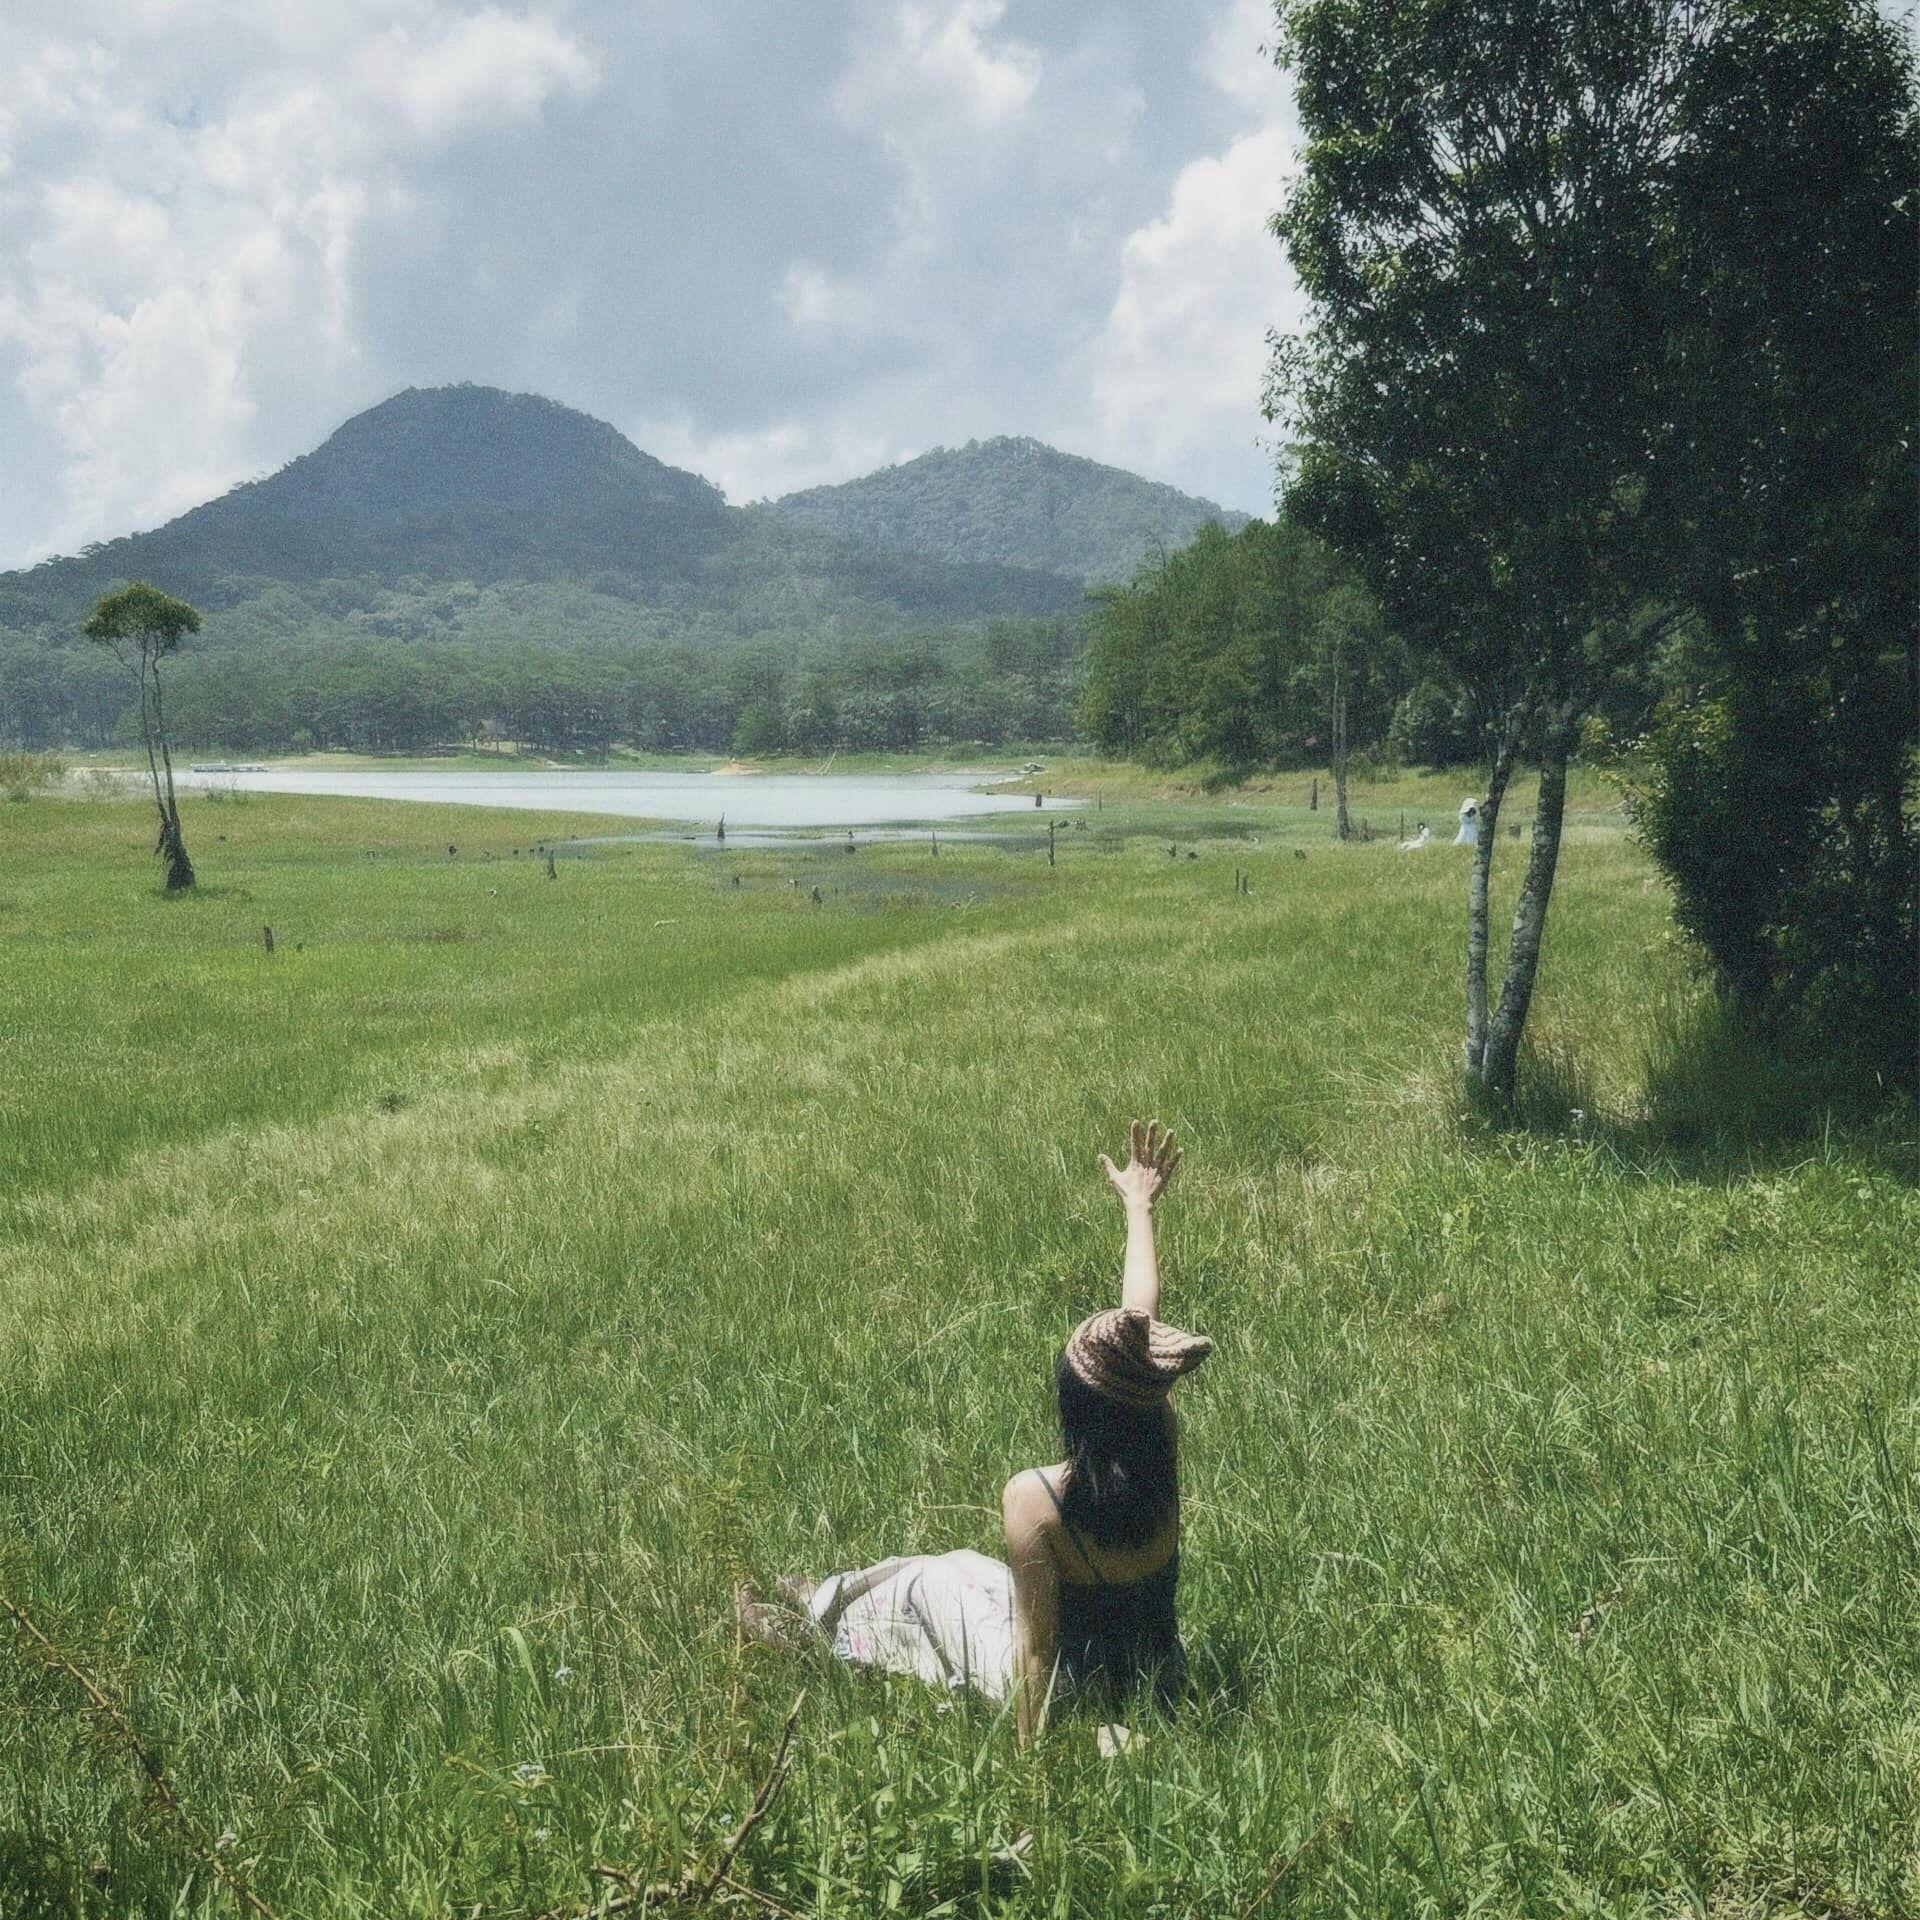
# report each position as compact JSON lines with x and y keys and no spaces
{"x":1149,"y":1166}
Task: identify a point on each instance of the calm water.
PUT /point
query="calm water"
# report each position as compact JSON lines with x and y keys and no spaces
{"x":747,"y":800}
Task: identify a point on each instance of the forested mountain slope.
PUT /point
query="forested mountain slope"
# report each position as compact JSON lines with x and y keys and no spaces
{"x":458,"y":483}
{"x":471,"y":487}
{"x":459,"y":559}
{"x":1013,"y":501}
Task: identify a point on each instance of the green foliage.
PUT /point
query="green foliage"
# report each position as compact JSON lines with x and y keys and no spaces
{"x":1776,"y":783}
{"x":407,"y":1338}
{"x":1613,"y":323}
{"x":1012,"y":501}
{"x":1225,"y":650}
{"x":152,"y":621}
{"x":1473,"y":224}
{"x":1435,"y":726}
{"x":465,"y":513}
{"x":25,"y":774}
{"x":1012,"y":680}
{"x":1792,"y":857}
{"x":464,"y":560}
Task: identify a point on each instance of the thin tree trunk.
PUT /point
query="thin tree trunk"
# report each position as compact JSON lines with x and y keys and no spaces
{"x":146,"y":736}
{"x":1342,"y":826}
{"x":172,"y":840}
{"x":1478,"y":887}
{"x":1529,"y":920}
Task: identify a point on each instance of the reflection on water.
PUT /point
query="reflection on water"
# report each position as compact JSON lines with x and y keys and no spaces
{"x":750,"y":800}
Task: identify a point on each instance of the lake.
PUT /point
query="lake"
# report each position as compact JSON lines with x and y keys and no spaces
{"x":747,"y":800}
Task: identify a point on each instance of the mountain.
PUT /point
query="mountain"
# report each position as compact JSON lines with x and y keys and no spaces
{"x":1014,"y":502}
{"x":445,"y":483}
{"x":465,"y":512}
{"x":474,"y":486}
{"x":433,"y":454}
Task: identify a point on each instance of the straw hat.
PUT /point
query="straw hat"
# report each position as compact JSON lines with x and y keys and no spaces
{"x":1130,"y":1357}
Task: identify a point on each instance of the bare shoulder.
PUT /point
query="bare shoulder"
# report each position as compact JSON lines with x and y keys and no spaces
{"x":1026,"y":1506}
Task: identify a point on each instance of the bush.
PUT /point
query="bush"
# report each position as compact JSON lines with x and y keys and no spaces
{"x":1434,"y":726}
{"x":24,"y":774}
{"x":1787,"y":836}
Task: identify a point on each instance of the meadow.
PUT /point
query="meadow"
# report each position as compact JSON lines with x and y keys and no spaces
{"x":409,"y":1336}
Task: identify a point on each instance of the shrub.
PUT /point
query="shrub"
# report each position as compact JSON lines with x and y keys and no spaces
{"x":1434,"y":726}
{"x":24,"y":774}
{"x":1791,"y":850}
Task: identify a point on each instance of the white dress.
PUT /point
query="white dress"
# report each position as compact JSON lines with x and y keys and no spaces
{"x":946,"y":1616}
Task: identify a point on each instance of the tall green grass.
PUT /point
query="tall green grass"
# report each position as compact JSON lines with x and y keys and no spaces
{"x":411,"y":1335}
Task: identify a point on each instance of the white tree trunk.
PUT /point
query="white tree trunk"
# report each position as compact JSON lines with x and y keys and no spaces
{"x":1479,"y":886}
{"x":1502,"y":1051}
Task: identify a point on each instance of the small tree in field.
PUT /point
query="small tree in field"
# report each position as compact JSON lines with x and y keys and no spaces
{"x":1346,"y":641}
{"x":141,"y":625}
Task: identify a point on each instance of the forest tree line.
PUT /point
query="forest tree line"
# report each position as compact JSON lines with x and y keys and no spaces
{"x":1228,"y":650}
{"x":1010,"y":680}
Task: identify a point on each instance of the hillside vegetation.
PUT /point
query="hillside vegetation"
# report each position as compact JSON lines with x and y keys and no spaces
{"x":1012,"y":501}
{"x":461,"y":560}
{"x":408,"y":1337}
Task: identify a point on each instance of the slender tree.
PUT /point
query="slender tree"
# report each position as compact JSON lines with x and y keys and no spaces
{"x":1473,"y":222}
{"x":142,"y":625}
{"x":1347,"y":641}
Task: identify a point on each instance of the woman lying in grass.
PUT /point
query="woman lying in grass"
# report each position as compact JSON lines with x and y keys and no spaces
{"x":1083,"y":1604}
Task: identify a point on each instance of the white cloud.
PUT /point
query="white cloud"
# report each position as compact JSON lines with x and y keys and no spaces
{"x":764,"y":462}
{"x":1236,"y":55}
{"x":471,"y":70}
{"x":780,"y":245}
{"x":1179,"y":364}
{"x":938,"y":60}
{"x":176,"y":246}
{"x":816,"y":300}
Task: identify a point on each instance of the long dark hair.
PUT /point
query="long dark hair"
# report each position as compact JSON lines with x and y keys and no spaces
{"x":1121,"y":1478}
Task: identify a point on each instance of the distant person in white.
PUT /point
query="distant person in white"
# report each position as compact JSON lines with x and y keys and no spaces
{"x":1469,"y":834}
{"x":1418,"y":841}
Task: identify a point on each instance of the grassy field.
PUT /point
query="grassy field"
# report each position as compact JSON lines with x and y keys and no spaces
{"x":410,"y":1335}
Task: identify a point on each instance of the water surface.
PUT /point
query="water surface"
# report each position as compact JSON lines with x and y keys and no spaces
{"x":747,"y":800}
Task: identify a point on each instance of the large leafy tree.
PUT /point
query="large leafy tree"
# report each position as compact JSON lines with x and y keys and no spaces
{"x":142,"y":626}
{"x":1479,"y":222}
{"x":1783,"y":501}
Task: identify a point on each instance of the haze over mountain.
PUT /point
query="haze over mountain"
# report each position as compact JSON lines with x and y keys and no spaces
{"x":469,"y":487}
{"x":1013,"y":501}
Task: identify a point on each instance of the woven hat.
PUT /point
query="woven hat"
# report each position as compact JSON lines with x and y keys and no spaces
{"x":1131,"y":1357}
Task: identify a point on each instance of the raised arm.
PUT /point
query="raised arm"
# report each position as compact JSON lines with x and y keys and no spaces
{"x":1150,"y":1164}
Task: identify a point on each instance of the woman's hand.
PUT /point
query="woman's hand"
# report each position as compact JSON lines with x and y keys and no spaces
{"x":1150,"y":1165}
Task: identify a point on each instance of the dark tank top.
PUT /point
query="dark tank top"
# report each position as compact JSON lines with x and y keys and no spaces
{"x":1116,"y":1638}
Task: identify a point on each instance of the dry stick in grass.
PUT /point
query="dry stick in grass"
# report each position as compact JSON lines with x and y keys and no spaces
{"x":761,"y":1801}
{"x":123,"y":1730}
{"x":1334,"y":1823}
{"x":696,"y":1889}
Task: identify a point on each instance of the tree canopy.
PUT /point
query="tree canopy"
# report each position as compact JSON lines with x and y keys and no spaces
{"x":1219,"y":652}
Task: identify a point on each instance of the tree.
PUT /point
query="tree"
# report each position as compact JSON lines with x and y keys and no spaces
{"x":1346,"y":640}
{"x":1473,"y":222}
{"x":141,"y":626}
{"x":1773,"y":785}
{"x":1226,"y":651}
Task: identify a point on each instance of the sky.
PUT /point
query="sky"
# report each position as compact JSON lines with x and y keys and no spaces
{"x":777,"y":243}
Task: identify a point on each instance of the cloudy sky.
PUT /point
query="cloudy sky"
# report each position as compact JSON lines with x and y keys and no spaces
{"x":778,"y":243}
